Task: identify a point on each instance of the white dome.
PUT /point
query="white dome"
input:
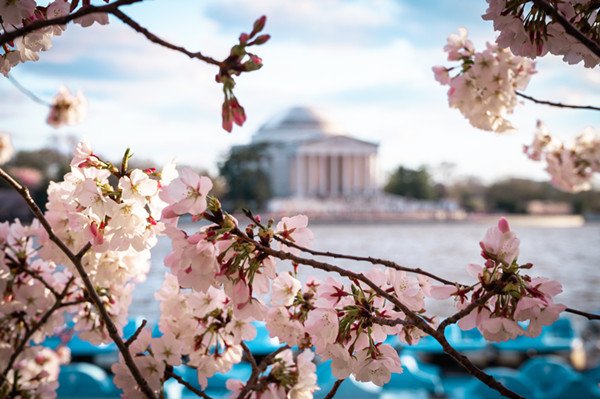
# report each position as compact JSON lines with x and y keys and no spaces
{"x":295,"y":124}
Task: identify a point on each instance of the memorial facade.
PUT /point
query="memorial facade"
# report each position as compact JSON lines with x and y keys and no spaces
{"x":305,"y":157}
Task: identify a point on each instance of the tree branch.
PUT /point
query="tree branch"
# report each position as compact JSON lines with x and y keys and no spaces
{"x":590,"y":316}
{"x":412,"y":316}
{"x":110,"y":325}
{"x":267,"y":360}
{"x":334,"y":389}
{"x":555,"y":104}
{"x":459,"y":315}
{"x":8,"y":37}
{"x":112,"y":8}
{"x":154,"y":39}
{"x":186,"y":384}
{"x":374,"y":261}
{"x":568,"y":26}
{"x":250,"y":356}
{"x":135,"y":334}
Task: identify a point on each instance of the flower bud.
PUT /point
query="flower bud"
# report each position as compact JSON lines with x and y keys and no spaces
{"x":259,"y":24}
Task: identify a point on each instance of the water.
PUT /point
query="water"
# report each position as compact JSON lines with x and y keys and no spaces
{"x":570,"y":255}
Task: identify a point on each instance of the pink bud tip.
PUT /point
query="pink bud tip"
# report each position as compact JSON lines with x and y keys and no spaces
{"x":503,"y":225}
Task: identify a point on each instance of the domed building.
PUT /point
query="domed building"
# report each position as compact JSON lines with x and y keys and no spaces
{"x":307,"y":157}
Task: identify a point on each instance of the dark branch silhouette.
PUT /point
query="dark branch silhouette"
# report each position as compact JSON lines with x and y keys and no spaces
{"x":556,"y":104}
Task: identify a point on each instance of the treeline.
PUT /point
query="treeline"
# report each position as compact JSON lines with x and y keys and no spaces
{"x":511,"y":195}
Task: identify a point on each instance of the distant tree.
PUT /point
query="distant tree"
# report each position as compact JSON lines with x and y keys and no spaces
{"x":35,"y":169}
{"x":246,"y":176}
{"x":469,"y":192}
{"x":412,"y":183}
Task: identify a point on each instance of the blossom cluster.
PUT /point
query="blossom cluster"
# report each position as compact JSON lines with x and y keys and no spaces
{"x":221,"y":281}
{"x":519,"y":299}
{"x":484,"y":88}
{"x":28,"y":287}
{"x":527,"y":33}
{"x":571,"y":165}
{"x":18,"y":13}
{"x":116,"y":212}
{"x":66,"y":108}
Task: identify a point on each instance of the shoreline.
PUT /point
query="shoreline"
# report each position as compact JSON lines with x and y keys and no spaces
{"x":564,"y":221}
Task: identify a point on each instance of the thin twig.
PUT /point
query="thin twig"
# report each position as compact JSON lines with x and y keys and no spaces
{"x":136,"y":333}
{"x":250,"y":356}
{"x":374,"y":261}
{"x":334,"y":389}
{"x":189,"y":386}
{"x":412,"y":316}
{"x":8,"y":37}
{"x":91,"y":291}
{"x":266,"y":361}
{"x":555,"y":104}
{"x":112,"y":8}
{"x":556,"y":16}
{"x":27,"y":92}
{"x":589,"y":316}
{"x":459,"y":315}
{"x":155,"y":39}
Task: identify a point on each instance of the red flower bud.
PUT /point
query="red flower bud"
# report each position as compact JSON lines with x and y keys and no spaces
{"x":261,"y":39}
{"x":259,"y":24}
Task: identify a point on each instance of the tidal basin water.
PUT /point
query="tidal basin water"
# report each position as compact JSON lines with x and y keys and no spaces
{"x":570,"y":255}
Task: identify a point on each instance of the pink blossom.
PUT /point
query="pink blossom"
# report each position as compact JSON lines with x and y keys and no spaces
{"x":66,"y":108}
{"x":500,"y":243}
{"x":342,"y":363}
{"x":323,"y":326}
{"x":187,"y":193}
{"x":167,"y":348}
{"x":6,"y":149}
{"x":295,"y":230}
{"x":377,"y":367}
{"x":285,"y":287}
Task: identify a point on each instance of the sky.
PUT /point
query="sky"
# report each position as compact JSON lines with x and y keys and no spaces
{"x":364,"y":64}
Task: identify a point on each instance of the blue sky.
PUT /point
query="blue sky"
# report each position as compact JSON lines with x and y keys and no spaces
{"x":365,"y":64}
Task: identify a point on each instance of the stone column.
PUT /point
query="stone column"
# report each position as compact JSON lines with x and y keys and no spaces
{"x":323,"y":175}
{"x":346,"y":174}
{"x":359,"y":187}
{"x":335,"y":175}
{"x":300,"y":175}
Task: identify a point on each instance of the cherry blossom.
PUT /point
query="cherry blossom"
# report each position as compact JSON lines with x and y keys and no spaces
{"x":6,"y":149}
{"x":67,"y":109}
{"x":295,"y":230}
{"x":534,"y":39}
{"x":187,"y":193}
{"x":484,"y":88}
{"x":571,"y":165}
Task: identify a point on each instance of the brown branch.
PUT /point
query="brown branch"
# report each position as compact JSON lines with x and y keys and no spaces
{"x":57,"y":305}
{"x":568,"y":26}
{"x":589,"y":316}
{"x":112,"y":8}
{"x":555,"y":104}
{"x":110,"y":325}
{"x":8,"y":37}
{"x":154,"y":39}
{"x":475,"y":371}
{"x":334,"y":389}
{"x":186,"y":384}
{"x":135,"y":334}
{"x":250,"y":356}
{"x":414,"y":318}
{"x":459,"y":315}
{"x":374,"y":261}
{"x":267,"y":360}
{"x":390,"y":322}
